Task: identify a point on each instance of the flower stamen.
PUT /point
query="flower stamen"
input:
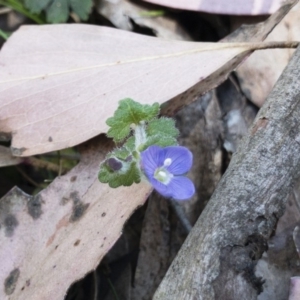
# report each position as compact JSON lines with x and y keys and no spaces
{"x":167,"y":162}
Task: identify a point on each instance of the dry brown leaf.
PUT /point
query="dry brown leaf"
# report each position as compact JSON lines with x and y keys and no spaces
{"x":260,"y":72}
{"x":6,"y":159}
{"x":58,"y":90}
{"x":231,"y":7}
{"x":51,"y":240}
{"x":123,"y":12}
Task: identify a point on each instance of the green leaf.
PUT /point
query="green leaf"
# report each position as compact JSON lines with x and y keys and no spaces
{"x":36,"y":6}
{"x":121,"y":153}
{"x":128,"y":113}
{"x":130,"y":143}
{"x":119,"y":178}
{"x":165,"y":126}
{"x":81,"y":8}
{"x":57,"y":11}
{"x":159,"y":140}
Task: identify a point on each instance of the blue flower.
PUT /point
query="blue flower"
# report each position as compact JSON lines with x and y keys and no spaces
{"x":165,"y":167}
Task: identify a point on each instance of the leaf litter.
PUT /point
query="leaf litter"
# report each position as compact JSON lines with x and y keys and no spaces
{"x":57,"y":91}
{"x":52,"y":218}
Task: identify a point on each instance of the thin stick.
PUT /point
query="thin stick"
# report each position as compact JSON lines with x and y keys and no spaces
{"x":39,"y":163}
{"x":29,"y":179}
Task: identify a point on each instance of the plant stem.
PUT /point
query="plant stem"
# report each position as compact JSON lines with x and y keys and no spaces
{"x":19,"y":7}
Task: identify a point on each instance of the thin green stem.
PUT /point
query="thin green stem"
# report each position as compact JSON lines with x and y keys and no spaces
{"x":140,"y":135}
{"x":19,"y":7}
{"x":4,"y":34}
{"x":113,"y":289}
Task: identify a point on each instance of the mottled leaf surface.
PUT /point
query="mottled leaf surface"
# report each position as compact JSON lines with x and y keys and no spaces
{"x":55,"y":238}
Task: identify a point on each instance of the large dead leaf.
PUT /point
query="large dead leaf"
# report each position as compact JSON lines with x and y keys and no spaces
{"x":50,"y":240}
{"x":57,"y":90}
{"x":260,"y":72}
{"x":231,"y":7}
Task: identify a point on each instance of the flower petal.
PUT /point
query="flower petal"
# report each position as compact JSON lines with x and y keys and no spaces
{"x":181,"y":157}
{"x":160,"y":187}
{"x":181,"y":188}
{"x":151,"y":160}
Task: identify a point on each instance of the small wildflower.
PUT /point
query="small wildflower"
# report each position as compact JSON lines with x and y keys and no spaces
{"x":165,"y":169}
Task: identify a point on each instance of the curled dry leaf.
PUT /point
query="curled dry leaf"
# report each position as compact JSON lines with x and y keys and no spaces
{"x":123,"y":12}
{"x":231,"y":7}
{"x":51,"y":240}
{"x":260,"y":72}
{"x":57,"y":90}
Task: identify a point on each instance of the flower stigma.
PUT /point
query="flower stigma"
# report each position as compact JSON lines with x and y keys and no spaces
{"x":163,"y":175}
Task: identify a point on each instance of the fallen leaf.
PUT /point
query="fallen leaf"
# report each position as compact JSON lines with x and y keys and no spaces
{"x":54,"y":238}
{"x":122,"y":13}
{"x":58,"y":90}
{"x":230,"y":7}
{"x":6,"y":159}
{"x":260,"y":72}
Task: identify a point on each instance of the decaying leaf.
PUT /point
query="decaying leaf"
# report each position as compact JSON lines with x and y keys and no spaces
{"x":260,"y":72}
{"x":51,"y":240}
{"x":6,"y":159}
{"x":123,"y":12}
{"x":231,"y":7}
{"x":58,"y":90}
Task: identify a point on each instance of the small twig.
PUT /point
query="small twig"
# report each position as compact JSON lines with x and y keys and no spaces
{"x":39,"y":163}
{"x":74,"y":156}
{"x":275,"y":45}
{"x":29,"y":179}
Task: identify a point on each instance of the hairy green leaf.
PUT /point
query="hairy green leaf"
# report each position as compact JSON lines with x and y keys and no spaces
{"x":128,"y":113}
{"x":159,"y":140}
{"x":130,"y":143}
{"x":119,"y":178}
{"x":165,"y":126}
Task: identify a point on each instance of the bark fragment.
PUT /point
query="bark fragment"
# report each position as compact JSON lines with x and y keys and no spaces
{"x":244,"y":209}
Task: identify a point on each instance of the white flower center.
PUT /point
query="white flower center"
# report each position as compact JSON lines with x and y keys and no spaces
{"x":162,"y":175}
